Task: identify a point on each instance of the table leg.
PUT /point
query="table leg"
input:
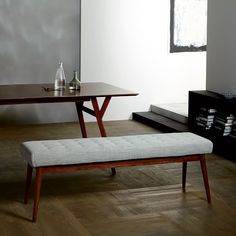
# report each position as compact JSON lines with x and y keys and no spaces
{"x":79,"y":107}
{"x":99,"y":117}
{"x":105,"y":105}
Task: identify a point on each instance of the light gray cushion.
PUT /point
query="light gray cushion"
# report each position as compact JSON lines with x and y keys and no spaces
{"x":91,"y":150}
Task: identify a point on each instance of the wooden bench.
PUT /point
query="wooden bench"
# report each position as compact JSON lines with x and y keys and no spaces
{"x":50,"y":156}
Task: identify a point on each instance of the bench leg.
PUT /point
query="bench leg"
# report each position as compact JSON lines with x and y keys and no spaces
{"x":205,"y":178}
{"x":37,"y":190}
{"x":28,"y":183}
{"x":113,"y":171}
{"x":184,"y":173}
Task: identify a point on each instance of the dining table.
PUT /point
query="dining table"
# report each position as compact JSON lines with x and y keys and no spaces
{"x":13,"y":94}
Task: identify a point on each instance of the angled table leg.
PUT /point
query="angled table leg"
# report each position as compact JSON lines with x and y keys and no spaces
{"x":99,"y":113}
{"x":79,"y":107}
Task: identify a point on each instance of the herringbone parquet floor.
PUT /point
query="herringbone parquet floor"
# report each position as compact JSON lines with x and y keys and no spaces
{"x":138,"y":201}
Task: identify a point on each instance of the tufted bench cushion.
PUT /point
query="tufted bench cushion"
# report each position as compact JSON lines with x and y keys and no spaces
{"x":93,"y":150}
{"x":52,"y":156}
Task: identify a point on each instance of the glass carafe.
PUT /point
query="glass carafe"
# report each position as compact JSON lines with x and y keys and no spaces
{"x":60,"y":79}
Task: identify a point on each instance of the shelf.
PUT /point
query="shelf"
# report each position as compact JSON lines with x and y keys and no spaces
{"x":224,"y":145}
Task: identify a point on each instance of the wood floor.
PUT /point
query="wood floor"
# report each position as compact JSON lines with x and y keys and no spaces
{"x":138,"y":201}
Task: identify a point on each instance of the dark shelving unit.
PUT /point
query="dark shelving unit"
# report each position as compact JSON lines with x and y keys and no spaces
{"x":223,"y":145}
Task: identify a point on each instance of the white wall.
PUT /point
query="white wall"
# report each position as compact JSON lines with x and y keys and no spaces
{"x":126,"y":43}
{"x":221,"y":49}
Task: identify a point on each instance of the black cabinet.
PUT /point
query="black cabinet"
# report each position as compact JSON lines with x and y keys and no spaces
{"x":213,"y":116}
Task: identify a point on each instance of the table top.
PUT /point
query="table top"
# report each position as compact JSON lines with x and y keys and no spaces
{"x":36,"y":93}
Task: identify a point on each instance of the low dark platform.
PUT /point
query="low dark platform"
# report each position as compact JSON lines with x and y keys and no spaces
{"x":159,"y":122}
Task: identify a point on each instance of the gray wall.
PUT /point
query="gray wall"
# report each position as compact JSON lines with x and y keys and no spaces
{"x":34,"y":37}
{"x":221,"y":46}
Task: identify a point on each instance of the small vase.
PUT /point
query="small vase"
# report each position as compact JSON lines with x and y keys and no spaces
{"x":75,"y":82}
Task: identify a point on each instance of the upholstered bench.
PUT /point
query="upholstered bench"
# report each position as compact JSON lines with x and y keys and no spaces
{"x":111,"y":152}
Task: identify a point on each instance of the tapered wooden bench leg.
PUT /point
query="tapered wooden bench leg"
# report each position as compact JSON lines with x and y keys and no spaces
{"x":37,"y":190}
{"x":184,"y":173}
{"x":205,"y":178}
{"x":113,"y":171}
{"x":28,"y":183}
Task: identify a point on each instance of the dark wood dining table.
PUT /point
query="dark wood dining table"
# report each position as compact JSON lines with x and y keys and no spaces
{"x":45,"y":93}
